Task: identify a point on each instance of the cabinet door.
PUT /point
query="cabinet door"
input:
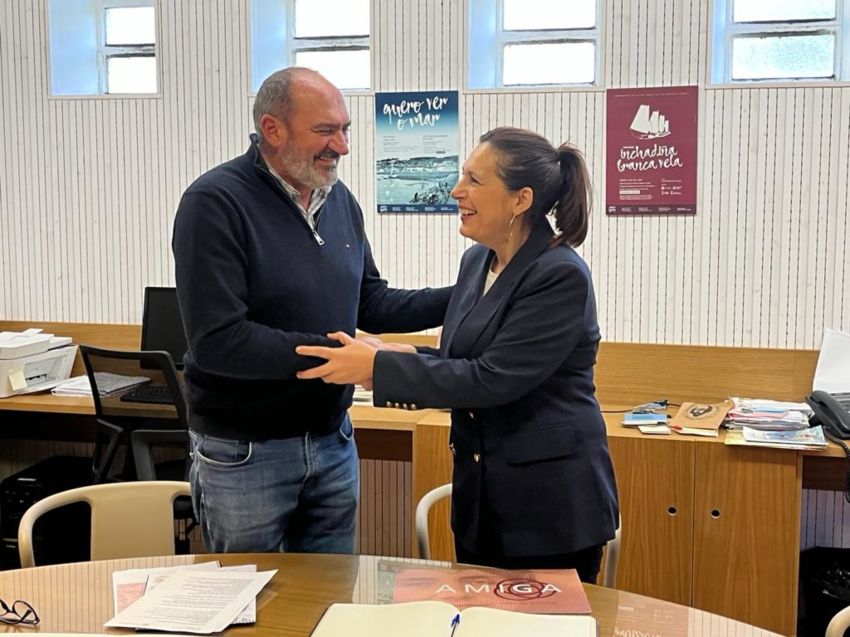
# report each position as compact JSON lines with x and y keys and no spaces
{"x":655,"y":481}
{"x":747,"y":534}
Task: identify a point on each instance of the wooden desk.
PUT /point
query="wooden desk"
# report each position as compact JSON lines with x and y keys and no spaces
{"x":48,"y":404}
{"x":78,"y":597}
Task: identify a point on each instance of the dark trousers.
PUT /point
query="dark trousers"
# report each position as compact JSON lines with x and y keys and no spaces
{"x":585,"y":561}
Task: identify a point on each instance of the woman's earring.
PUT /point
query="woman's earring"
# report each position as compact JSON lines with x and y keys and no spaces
{"x":511,"y":229}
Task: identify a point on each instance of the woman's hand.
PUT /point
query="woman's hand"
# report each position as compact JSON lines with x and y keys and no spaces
{"x":398,"y":347}
{"x":349,"y":364}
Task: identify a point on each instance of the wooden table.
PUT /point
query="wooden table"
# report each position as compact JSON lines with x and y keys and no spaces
{"x":78,"y":597}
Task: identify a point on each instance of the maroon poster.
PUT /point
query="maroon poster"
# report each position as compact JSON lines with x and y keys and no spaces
{"x":651,"y":148}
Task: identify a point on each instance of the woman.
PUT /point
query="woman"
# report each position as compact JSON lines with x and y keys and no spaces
{"x":533,"y":481}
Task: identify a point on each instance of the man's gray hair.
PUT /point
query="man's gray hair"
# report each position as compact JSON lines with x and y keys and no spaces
{"x":273,"y":97}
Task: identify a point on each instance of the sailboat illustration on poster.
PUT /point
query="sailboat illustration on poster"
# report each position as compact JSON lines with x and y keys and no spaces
{"x":649,"y":124}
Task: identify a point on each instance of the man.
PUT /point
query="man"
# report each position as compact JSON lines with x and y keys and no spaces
{"x":271,"y":253}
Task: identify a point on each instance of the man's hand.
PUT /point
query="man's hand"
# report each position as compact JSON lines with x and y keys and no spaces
{"x":351,"y":363}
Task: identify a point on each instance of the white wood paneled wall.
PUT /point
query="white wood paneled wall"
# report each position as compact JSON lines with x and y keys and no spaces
{"x":826,"y":519}
{"x":88,"y":186}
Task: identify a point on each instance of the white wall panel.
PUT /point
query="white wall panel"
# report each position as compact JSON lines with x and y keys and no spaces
{"x":88,"y":186}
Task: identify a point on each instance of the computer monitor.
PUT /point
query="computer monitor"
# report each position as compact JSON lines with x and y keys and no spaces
{"x":162,"y":324}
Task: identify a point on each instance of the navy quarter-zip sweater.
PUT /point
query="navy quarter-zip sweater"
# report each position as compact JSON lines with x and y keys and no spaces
{"x":253,"y":282}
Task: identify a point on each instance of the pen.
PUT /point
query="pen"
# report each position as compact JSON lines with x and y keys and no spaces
{"x":455,"y":622}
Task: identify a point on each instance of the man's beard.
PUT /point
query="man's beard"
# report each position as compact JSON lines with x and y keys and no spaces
{"x":301,"y":167}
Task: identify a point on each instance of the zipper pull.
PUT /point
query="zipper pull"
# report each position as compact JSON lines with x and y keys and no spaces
{"x":318,"y":239}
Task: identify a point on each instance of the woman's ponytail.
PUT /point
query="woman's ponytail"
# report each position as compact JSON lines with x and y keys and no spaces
{"x":572,"y":208}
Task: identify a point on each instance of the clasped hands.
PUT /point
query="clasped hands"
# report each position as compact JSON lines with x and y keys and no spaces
{"x":350,"y":364}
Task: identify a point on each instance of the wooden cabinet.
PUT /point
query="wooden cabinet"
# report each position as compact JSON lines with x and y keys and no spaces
{"x":656,"y":485}
{"x":710,"y":526}
{"x":747,"y":534}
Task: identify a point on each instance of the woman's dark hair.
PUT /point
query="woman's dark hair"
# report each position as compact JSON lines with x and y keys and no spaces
{"x":558,"y":178}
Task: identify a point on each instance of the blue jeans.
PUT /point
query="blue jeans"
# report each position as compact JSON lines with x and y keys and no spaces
{"x":293,"y":494}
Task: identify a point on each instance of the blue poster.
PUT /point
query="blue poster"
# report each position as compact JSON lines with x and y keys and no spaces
{"x":416,"y":151}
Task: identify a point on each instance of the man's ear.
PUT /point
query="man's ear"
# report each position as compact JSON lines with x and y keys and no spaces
{"x":523,"y":199}
{"x":274,"y":131}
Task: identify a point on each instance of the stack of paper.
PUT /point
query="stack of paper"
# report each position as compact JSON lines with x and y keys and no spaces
{"x":200,"y":598}
{"x":800,"y":439}
{"x":768,"y":415}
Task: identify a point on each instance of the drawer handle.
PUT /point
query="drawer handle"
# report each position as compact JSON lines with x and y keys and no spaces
{"x":672,"y":511}
{"x":715,"y":513}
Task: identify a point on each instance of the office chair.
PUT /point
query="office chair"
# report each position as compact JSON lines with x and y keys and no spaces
{"x":139,"y":395}
{"x":421,"y":517}
{"x":128,"y":519}
{"x":133,"y":390}
{"x":609,"y":559}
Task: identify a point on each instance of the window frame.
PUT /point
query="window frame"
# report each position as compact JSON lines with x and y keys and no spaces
{"x":335,"y":43}
{"x":725,"y":31}
{"x":486,"y":32}
{"x":273,"y":32}
{"x":106,"y":51}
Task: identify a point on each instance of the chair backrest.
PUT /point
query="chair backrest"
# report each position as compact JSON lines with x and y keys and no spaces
{"x":115,"y":374}
{"x":128,"y":519}
{"x":839,"y":623}
{"x":609,"y":559}
{"x":421,"y":517}
{"x":117,"y":377}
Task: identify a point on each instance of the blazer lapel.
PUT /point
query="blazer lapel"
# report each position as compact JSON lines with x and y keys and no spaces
{"x":468,"y":289}
{"x":478,"y":311}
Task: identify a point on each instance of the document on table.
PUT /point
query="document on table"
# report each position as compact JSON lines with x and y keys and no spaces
{"x":194,"y":601}
{"x":130,"y":585}
{"x":248,"y":614}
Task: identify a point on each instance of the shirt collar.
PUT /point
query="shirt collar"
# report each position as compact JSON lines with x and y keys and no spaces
{"x":319,"y":194}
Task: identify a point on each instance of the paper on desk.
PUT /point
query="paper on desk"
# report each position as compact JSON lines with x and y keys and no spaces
{"x":130,"y":585}
{"x":694,"y":431}
{"x":654,"y":429}
{"x":832,"y":373}
{"x":248,"y":614}
{"x":194,"y":601}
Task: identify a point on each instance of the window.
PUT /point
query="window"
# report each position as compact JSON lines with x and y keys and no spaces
{"x":127,"y":55}
{"x":779,"y":40}
{"x":331,"y":36}
{"x":533,"y":42}
{"x":102,"y":46}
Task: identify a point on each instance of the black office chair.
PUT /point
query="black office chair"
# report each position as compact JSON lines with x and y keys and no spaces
{"x":139,"y":402}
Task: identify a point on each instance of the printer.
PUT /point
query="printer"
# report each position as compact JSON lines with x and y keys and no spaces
{"x":32,"y":361}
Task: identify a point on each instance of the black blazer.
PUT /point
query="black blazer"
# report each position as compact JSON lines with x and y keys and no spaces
{"x":532,"y":474}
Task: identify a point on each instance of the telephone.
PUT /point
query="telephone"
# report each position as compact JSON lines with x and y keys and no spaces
{"x":832,"y":414}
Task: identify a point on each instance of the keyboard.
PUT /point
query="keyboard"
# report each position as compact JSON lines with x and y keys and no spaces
{"x":149,"y":393}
